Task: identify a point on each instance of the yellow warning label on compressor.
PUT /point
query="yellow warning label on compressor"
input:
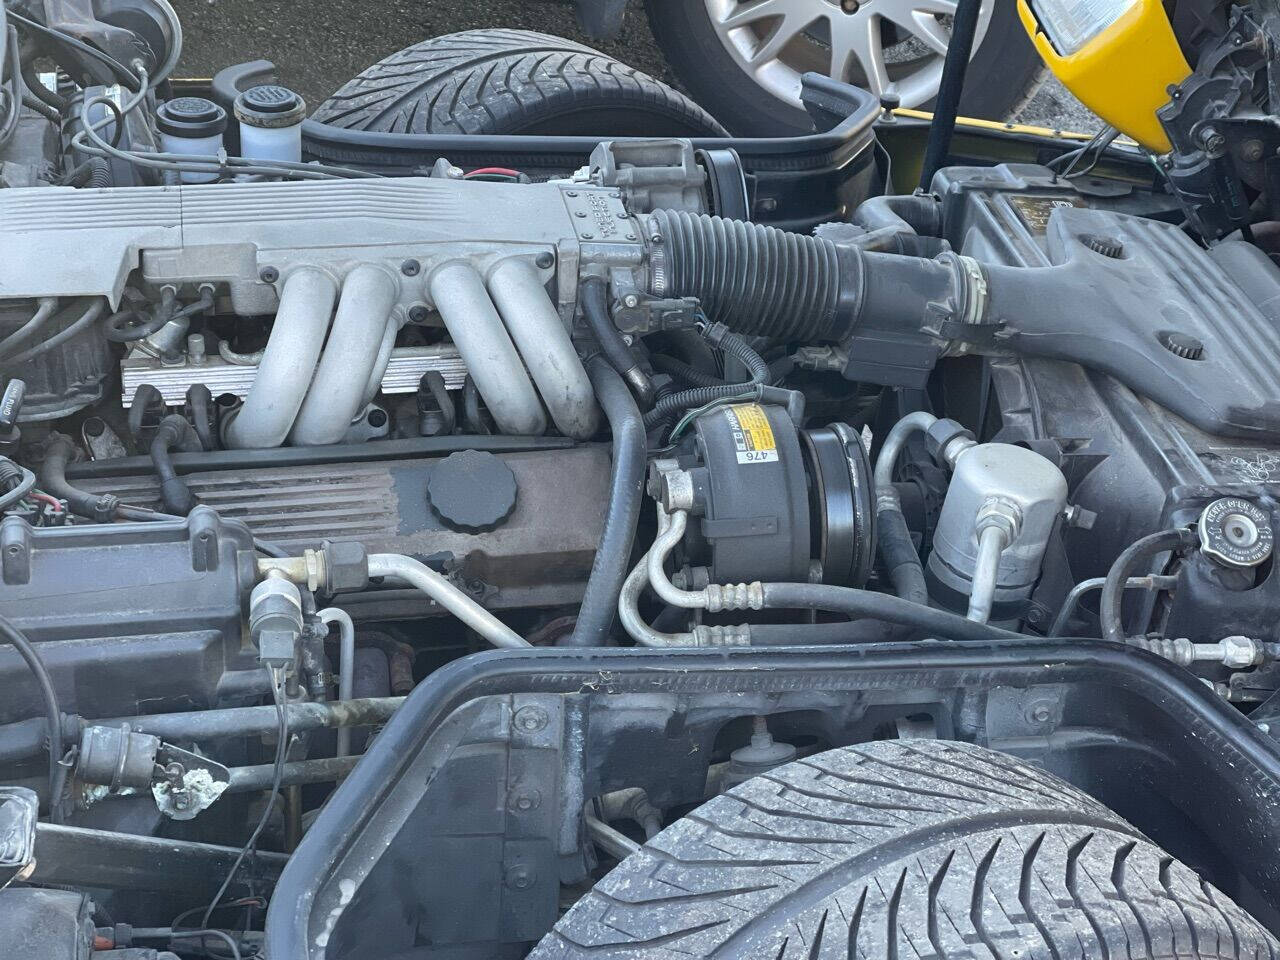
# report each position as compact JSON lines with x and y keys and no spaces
{"x":752,"y":436}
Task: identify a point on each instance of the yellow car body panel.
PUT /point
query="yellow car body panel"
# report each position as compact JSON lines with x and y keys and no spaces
{"x":1123,"y":74}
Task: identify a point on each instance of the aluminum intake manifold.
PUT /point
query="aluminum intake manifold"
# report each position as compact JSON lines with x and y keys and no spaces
{"x":343,"y":265}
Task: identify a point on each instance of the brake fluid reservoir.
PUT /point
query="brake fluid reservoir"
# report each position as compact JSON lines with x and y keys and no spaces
{"x":192,"y":126}
{"x":270,"y":118}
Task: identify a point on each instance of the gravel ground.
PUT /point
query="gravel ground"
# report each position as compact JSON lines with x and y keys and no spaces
{"x":319,"y":44}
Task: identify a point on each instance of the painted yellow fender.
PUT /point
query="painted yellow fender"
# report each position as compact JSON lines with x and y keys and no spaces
{"x":1123,"y":73}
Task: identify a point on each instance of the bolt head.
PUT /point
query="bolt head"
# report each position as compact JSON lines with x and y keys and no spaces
{"x":530,"y":719}
{"x":544,"y":261}
{"x":526,"y":799}
{"x":410,"y":268}
{"x":631,"y":301}
{"x":519,"y":877}
{"x":268,"y":274}
{"x":418,"y":314}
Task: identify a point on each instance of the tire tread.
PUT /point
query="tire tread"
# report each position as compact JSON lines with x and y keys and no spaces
{"x":496,"y":81}
{"x":907,"y":851}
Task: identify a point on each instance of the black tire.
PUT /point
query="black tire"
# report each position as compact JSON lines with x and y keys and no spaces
{"x":1003,"y":75}
{"x":905,"y":849}
{"x":512,"y":82}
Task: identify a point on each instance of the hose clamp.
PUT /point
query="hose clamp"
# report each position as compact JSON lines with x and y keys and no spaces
{"x":976,"y":289}
{"x":659,"y":277}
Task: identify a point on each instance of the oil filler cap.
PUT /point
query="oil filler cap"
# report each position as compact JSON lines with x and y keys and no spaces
{"x":1235,"y":533}
{"x":472,"y":490}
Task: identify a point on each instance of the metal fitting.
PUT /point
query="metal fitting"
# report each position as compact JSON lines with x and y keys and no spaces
{"x":1000,"y":514}
{"x":954,"y":447}
{"x":306,"y":570}
{"x":738,"y":635}
{"x":1239,"y":652}
{"x":676,"y":487}
{"x":1236,"y":652}
{"x":333,"y":568}
{"x":734,"y":596}
{"x":941,"y":435}
{"x":887,"y":499}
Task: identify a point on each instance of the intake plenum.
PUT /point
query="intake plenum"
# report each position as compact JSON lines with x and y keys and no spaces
{"x":762,"y":281}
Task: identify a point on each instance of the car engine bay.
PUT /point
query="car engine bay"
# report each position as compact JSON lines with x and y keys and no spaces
{"x":281,"y":439}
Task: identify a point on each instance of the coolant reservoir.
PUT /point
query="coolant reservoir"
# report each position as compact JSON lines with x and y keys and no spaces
{"x":270,"y":119}
{"x":1119,"y":57}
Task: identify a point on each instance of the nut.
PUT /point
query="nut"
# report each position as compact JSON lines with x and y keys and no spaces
{"x":1240,"y":652}
{"x":941,"y":435}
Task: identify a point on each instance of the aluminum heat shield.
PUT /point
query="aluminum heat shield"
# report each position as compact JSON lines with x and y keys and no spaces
{"x":64,"y":242}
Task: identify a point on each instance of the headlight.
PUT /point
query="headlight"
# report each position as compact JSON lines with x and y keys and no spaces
{"x":1070,"y":24}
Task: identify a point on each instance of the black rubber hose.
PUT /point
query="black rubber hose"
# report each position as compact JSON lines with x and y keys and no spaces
{"x":200,"y":406}
{"x":758,"y":280}
{"x":690,"y":376}
{"x":626,"y":496}
{"x":472,"y":418}
{"x":38,"y":90}
{"x":61,"y":451}
{"x":128,"y":325}
{"x":24,"y":739}
{"x":1109,"y":606}
{"x":676,"y":403}
{"x":822,"y":634}
{"x":105,"y":507}
{"x":174,"y":432}
{"x":899,"y":556}
{"x":917,"y":214}
{"x":762,"y":281}
{"x":81,"y":323}
{"x":53,"y":713}
{"x":31,"y":102}
{"x":860,"y":604}
{"x":593,"y":292}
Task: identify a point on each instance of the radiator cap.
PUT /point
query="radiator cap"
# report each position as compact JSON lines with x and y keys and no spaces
{"x":472,"y":490}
